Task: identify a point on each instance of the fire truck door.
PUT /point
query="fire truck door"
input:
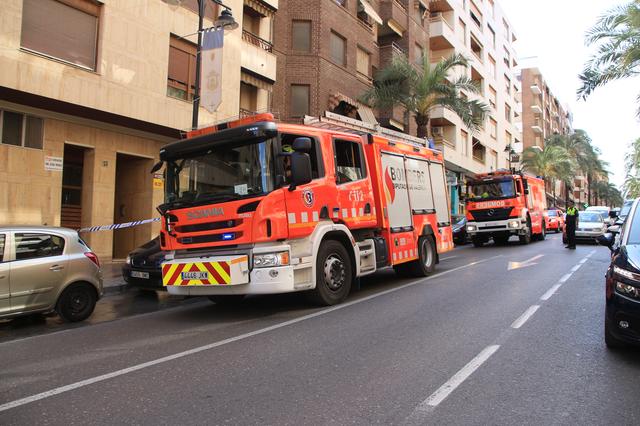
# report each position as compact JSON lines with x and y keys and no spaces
{"x":396,"y":192}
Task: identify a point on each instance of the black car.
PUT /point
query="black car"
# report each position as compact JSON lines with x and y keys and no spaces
{"x":622,"y":312}
{"x":144,"y":266}
{"x":459,"y":229}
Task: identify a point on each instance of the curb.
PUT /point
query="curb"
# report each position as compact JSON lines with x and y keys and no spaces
{"x":115,"y":289}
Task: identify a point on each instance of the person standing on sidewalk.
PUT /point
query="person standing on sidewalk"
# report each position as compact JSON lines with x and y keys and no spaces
{"x":571,"y":222}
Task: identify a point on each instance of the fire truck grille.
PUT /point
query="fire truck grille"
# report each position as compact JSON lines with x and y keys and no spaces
{"x":216,"y":238}
{"x":491,"y":214}
{"x":209,"y":226}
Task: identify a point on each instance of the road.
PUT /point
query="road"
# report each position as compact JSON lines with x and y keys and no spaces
{"x":499,"y":335}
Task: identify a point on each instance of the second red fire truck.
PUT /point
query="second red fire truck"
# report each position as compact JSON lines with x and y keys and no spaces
{"x":255,"y":206}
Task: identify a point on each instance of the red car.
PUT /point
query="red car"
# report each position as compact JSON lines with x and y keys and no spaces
{"x":554,"y":220}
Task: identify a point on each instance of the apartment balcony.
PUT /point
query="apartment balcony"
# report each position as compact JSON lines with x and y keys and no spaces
{"x":536,"y":109}
{"x":536,"y":129}
{"x":394,"y":15}
{"x":536,"y":90}
{"x":441,"y":5}
{"x":442,"y":34}
{"x":272,"y":3}
{"x":390,"y":51}
{"x":257,"y":56}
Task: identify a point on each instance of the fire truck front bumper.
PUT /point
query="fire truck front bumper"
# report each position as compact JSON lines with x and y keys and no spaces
{"x":228,"y":275}
{"x":513,"y":226}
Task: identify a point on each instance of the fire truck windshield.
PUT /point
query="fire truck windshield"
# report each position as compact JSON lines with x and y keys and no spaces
{"x":491,"y":190}
{"x":227,"y":172}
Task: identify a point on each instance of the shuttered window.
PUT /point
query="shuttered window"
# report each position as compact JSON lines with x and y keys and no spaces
{"x":364,"y":62}
{"x":299,"y":100}
{"x":182,"y":69}
{"x":338,"y":49}
{"x":65,"y":30}
{"x":301,"y":36}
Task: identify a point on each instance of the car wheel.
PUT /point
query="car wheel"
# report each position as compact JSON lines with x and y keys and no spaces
{"x":610,"y":340}
{"x":333,"y":274}
{"x":226,"y":299}
{"x":76,"y":303}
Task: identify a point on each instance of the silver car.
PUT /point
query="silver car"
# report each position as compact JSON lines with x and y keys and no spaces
{"x":45,"y":269}
{"x":591,"y":224}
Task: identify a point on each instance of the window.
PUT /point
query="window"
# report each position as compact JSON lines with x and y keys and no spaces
{"x":476,"y":47}
{"x":492,"y":8}
{"x":1,"y":247}
{"x":363,"y":62}
{"x":62,"y":31}
{"x":506,"y":29}
{"x":492,"y":36}
{"x":338,"y":49}
{"x":507,"y":137}
{"x":342,"y":3}
{"x":475,"y":14}
{"x":210,"y":10}
{"x":315,"y":154}
{"x":299,"y":100}
{"x":493,"y":128}
{"x":418,"y":54}
{"x":464,"y":137}
{"x":479,"y":151}
{"x":507,"y":84}
{"x":32,"y":246}
{"x":463,"y":31}
{"x":21,"y":130}
{"x":301,"y":36}
{"x":507,"y":112}
{"x":492,"y":67}
{"x":507,"y":57}
{"x":349,"y":161}
{"x":182,"y":69}
{"x":492,"y":97}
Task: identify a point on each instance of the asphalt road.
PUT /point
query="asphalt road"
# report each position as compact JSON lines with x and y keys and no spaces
{"x":475,"y":343}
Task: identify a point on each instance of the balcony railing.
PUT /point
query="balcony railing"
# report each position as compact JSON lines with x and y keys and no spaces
{"x":257,"y":41}
{"x":246,"y":113}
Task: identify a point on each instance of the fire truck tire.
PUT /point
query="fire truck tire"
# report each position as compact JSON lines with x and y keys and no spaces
{"x":526,"y":238}
{"x":426,"y":262}
{"x":226,"y":300}
{"x":543,"y":233}
{"x":333,"y":274}
{"x":477,"y":241}
{"x":501,"y":240}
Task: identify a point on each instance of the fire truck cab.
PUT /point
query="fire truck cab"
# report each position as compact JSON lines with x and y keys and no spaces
{"x":255,"y":206}
{"x":502,"y":204}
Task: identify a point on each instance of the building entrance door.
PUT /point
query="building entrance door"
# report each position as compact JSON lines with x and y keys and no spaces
{"x":133,"y":201}
{"x":72,"y":168}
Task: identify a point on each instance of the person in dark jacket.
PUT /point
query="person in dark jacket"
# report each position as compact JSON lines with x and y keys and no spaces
{"x":571,"y":222}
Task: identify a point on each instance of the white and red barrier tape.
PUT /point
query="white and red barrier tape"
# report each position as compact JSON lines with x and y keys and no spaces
{"x":118,"y":225}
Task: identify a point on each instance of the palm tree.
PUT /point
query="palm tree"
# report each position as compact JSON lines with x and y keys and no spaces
{"x":631,"y":186}
{"x":422,"y":89}
{"x":618,"y":56}
{"x":552,"y":162}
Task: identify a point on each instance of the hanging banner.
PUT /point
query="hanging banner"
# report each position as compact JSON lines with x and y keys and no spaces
{"x":211,"y":69}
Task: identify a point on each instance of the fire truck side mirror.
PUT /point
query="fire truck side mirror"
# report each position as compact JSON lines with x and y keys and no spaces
{"x":525,"y":186}
{"x":300,"y":169}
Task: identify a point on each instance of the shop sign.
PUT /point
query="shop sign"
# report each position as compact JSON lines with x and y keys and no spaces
{"x":158,"y":181}
{"x":53,"y":164}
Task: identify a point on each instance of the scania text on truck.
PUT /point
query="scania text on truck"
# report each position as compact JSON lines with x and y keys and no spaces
{"x":254,"y":207}
{"x":501,"y":204}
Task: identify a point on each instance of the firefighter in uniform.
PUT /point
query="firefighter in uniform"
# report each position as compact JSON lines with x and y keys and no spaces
{"x":571,"y":223}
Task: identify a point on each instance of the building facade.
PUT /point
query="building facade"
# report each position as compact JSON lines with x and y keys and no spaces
{"x":89,"y":92}
{"x":479,"y":30}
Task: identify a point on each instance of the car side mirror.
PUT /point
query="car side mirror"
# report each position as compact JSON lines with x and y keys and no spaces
{"x":300,"y":169}
{"x":607,"y":239}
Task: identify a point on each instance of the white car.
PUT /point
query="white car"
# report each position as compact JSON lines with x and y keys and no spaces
{"x":591,"y":225}
{"x":604,"y":212}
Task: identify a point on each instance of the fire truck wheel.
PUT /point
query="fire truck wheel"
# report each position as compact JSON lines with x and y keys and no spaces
{"x":477,"y":241}
{"x":526,"y":238}
{"x":333,"y":274}
{"x":501,"y":240}
{"x":426,"y":263}
{"x":543,"y":233}
{"x":226,"y":300}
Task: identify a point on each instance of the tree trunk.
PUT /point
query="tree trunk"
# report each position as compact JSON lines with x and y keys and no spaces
{"x":424,"y":129}
{"x":566,"y":196}
{"x":553,"y":192}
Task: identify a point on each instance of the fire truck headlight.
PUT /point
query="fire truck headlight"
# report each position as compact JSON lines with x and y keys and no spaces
{"x":128,"y":261}
{"x":267,"y":260}
{"x":514,"y":224}
{"x":471,"y":228}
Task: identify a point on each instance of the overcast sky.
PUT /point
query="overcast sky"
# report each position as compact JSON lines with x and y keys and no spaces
{"x":552,"y":32}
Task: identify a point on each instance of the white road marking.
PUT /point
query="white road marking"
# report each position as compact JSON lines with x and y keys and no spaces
{"x":456,"y":380}
{"x":584,"y":260}
{"x":591,"y":253}
{"x":565,"y":277}
{"x":575,"y":268}
{"x":523,"y":264}
{"x":103,"y":377}
{"x":447,"y":258}
{"x":524,"y":317}
{"x":550,"y":292}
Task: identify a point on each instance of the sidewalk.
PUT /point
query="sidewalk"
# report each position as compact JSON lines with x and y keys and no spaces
{"x":112,"y":277}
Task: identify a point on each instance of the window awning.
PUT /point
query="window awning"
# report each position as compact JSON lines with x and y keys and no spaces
{"x":369,"y":10}
{"x":247,"y":78}
{"x":262,"y":8}
{"x":366,"y":113}
{"x":395,"y":26}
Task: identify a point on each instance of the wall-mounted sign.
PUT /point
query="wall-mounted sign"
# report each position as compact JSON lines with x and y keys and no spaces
{"x":53,"y":164}
{"x":158,"y":181}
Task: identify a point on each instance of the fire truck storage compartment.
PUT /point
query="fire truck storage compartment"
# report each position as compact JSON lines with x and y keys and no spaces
{"x":439,"y":186}
{"x":396,"y":192}
{"x":419,"y":181}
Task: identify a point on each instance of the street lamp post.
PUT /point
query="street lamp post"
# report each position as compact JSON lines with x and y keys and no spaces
{"x":226,"y":21}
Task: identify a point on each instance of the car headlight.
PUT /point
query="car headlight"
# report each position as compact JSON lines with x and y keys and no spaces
{"x":268,"y":260}
{"x":628,"y":290}
{"x":471,"y":228}
{"x":514,"y":224}
{"x":128,"y":261}
{"x":624,"y":273}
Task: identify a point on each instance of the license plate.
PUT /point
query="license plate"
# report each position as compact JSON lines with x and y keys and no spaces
{"x":197,"y":275}
{"x":138,"y":274}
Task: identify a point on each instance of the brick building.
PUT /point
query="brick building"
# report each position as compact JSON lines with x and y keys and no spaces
{"x":329,"y":50}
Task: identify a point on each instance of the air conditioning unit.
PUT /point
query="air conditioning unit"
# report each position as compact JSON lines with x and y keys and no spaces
{"x":437,"y":131}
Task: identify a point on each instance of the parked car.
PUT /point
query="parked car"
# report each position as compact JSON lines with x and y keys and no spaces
{"x":143,"y":267}
{"x":554,"y":220}
{"x":622,"y":311}
{"x":590,"y":226}
{"x":45,"y":269}
{"x":459,"y":229}
{"x":604,"y":212}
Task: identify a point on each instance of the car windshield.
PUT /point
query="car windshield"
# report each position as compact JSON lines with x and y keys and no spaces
{"x":551,"y":213}
{"x":457,"y":220}
{"x":491,"y":190}
{"x":221,"y":174}
{"x":590,"y":217}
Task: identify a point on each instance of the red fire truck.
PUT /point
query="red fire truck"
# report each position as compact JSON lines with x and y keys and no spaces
{"x":501,"y":204}
{"x":254,"y":206}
